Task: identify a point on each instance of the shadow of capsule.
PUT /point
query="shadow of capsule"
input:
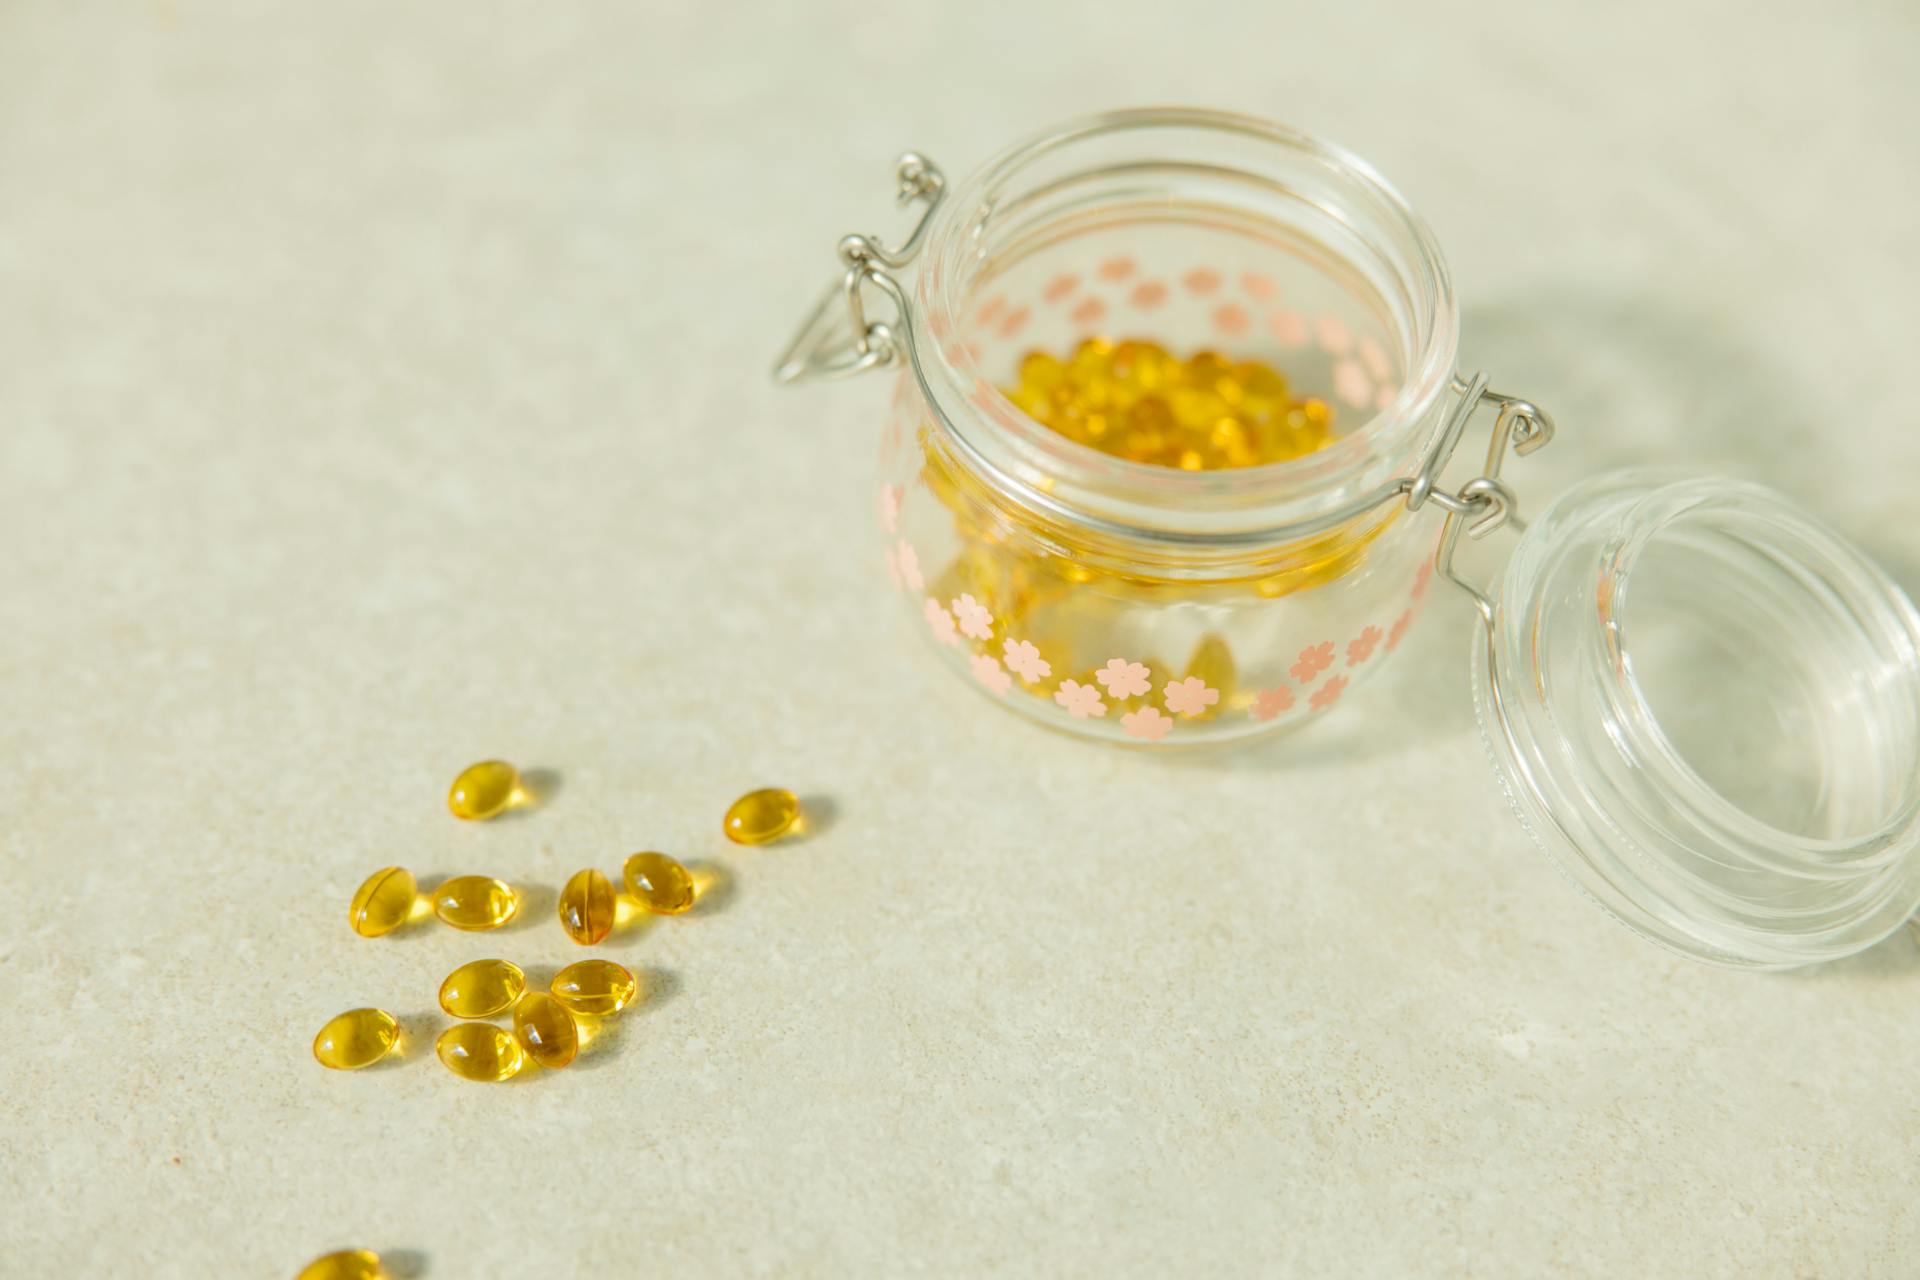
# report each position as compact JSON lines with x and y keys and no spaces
{"x":601,"y":1038}
{"x":714,"y":887}
{"x":818,"y":815}
{"x":403,"y":1264}
{"x":631,"y":921}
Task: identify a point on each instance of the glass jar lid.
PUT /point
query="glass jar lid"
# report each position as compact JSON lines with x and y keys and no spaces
{"x":1704,"y":705}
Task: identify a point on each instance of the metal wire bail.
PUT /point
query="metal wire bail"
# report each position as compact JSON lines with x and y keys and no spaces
{"x":1485,"y":499}
{"x":837,"y":340}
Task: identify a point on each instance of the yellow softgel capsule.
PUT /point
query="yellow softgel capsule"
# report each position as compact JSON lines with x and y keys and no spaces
{"x":347,"y":1264}
{"x":662,"y":885}
{"x":482,"y":988}
{"x":475,"y":903}
{"x":545,"y":1030}
{"x":480,"y":1051}
{"x":760,"y":816}
{"x":586,"y":907}
{"x":596,"y":988}
{"x":483,"y":790}
{"x":383,"y":902}
{"x":355,"y":1039}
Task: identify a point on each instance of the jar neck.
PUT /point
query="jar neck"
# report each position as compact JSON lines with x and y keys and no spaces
{"x":1240,"y":177}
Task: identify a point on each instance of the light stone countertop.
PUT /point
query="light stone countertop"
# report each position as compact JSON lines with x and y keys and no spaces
{"x":382,"y":387}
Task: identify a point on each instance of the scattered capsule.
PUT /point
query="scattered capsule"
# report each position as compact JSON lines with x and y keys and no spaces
{"x":347,"y":1264}
{"x":545,"y":1030}
{"x":482,"y":988}
{"x":760,"y":816}
{"x":662,"y":885}
{"x":596,"y":988}
{"x":586,"y":907}
{"x":355,"y":1039}
{"x":480,"y":1051}
{"x":483,"y":790}
{"x":383,"y":902}
{"x":475,"y":903}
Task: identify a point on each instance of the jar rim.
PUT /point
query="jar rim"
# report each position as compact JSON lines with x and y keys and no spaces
{"x":1597,"y":778}
{"x":1074,"y":483}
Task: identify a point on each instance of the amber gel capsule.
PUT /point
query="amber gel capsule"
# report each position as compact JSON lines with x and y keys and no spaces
{"x":545,"y":1030}
{"x":482,"y":988}
{"x":483,"y":790}
{"x":357,"y":1038}
{"x":662,"y":885}
{"x":383,"y":902}
{"x":595,"y":988}
{"x":480,"y":1051}
{"x":760,"y":816}
{"x":475,"y":903}
{"x":348,"y":1264}
{"x":586,"y":907}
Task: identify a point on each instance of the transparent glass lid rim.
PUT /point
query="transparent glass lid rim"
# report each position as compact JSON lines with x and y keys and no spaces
{"x":1644,"y":834}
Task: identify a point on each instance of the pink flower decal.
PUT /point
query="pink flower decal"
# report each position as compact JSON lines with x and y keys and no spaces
{"x":1080,"y":700}
{"x":1116,"y":268}
{"x":1149,"y":724}
{"x":1124,"y":679}
{"x":893,"y":565}
{"x":1398,"y":630}
{"x":1361,"y":648}
{"x":1269,"y":703}
{"x":1313,"y":660}
{"x":1149,"y":294}
{"x":1328,"y":694}
{"x":941,"y":621}
{"x":910,"y":567}
{"x":1232,"y":320}
{"x":1350,"y":383}
{"x":1060,"y":286}
{"x":1335,"y":337}
{"x":990,"y":309}
{"x":1421,"y":579}
{"x":890,"y":495}
{"x":988,"y":671}
{"x":1088,"y":312}
{"x":1024,"y":660}
{"x":1374,"y":358}
{"x":1015,"y":321}
{"x":1202,"y":280}
{"x":975,"y":621}
{"x":1191,"y":696}
{"x":1260,"y":288}
{"x":1288,"y":327}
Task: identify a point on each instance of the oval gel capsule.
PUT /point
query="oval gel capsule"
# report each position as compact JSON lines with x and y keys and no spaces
{"x":482,"y":988}
{"x":586,"y":907}
{"x":595,"y":988}
{"x":355,"y":1039}
{"x":475,"y":903}
{"x":480,"y":1051}
{"x":383,"y":902}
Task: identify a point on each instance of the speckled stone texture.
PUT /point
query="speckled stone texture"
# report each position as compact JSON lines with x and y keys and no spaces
{"x":383,"y":387}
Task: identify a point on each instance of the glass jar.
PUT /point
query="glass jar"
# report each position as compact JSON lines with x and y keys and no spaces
{"x":1704,"y":705}
{"x":1138,"y":602}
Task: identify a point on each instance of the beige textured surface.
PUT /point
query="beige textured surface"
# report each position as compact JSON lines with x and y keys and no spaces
{"x":382,"y":387}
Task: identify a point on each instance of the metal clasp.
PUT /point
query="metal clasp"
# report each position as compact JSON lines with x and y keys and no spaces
{"x":837,"y":339}
{"x":1485,"y":499}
